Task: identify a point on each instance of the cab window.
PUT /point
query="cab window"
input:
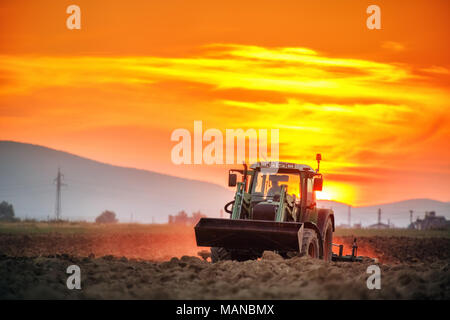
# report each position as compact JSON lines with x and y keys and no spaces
{"x":310,"y":197}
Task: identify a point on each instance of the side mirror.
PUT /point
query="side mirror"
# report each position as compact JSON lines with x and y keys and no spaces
{"x":318,"y":184}
{"x":232,"y":180}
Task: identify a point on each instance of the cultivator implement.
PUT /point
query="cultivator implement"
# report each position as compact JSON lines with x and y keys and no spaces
{"x":347,"y":258}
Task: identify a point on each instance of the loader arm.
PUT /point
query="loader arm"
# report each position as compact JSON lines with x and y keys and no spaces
{"x":281,"y":211}
{"x":238,"y":200}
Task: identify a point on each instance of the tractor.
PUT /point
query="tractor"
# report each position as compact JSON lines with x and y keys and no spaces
{"x":274,"y":209}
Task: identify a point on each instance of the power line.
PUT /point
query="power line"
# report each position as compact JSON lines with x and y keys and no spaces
{"x":12,"y":187}
{"x":28,"y":193}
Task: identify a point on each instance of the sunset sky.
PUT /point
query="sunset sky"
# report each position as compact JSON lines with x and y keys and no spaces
{"x":375,"y":103}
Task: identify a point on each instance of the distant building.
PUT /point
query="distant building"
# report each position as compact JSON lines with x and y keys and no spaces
{"x":379,"y":224}
{"x":182,"y":218}
{"x":349,"y":226}
{"x":431,"y":221}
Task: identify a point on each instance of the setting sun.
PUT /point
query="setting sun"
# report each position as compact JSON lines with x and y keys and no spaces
{"x":336,"y":191}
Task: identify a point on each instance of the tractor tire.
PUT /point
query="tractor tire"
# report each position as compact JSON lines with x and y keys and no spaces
{"x":310,"y":244}
{"x":328,"y":240}
{"x":220,"y":254}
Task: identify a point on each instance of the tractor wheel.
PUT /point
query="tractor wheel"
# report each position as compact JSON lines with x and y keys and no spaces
{"x":310,"y":244}
{"x":327,"y":241}
{"x":220,"y":254}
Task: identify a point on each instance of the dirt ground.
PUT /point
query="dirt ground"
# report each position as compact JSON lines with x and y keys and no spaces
{"x":163,"y":265}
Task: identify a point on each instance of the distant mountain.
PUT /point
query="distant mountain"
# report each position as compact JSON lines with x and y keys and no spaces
{"x":396,"y":212}
{"x":27,"y":174}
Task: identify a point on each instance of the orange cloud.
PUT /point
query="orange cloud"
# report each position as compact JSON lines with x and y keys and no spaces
{"x":392,"y":45}
{"x":359,"y":113}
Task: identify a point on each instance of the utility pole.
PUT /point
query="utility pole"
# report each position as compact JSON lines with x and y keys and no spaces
{"x":379,"y":216}
{"x":410,"y":216}
{"x":59,"y":184}
{"x":349,"y":216}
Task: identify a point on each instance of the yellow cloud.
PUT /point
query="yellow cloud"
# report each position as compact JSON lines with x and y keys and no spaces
{"x":286,"y":70}
{"x":360,"y":113}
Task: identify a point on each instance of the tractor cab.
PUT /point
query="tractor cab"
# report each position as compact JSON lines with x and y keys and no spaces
{"x":268,"y":188}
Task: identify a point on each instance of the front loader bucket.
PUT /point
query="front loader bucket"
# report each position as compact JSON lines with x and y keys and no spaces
{"x":248,"y":234}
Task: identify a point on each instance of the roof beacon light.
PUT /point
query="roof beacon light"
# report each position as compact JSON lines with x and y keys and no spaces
{"x":318,"y":158}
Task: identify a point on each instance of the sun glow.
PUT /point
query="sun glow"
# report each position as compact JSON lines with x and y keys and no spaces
{"x":336,"y":191}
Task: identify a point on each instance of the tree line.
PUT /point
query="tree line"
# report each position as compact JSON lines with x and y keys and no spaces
{"x":7,"y":214}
